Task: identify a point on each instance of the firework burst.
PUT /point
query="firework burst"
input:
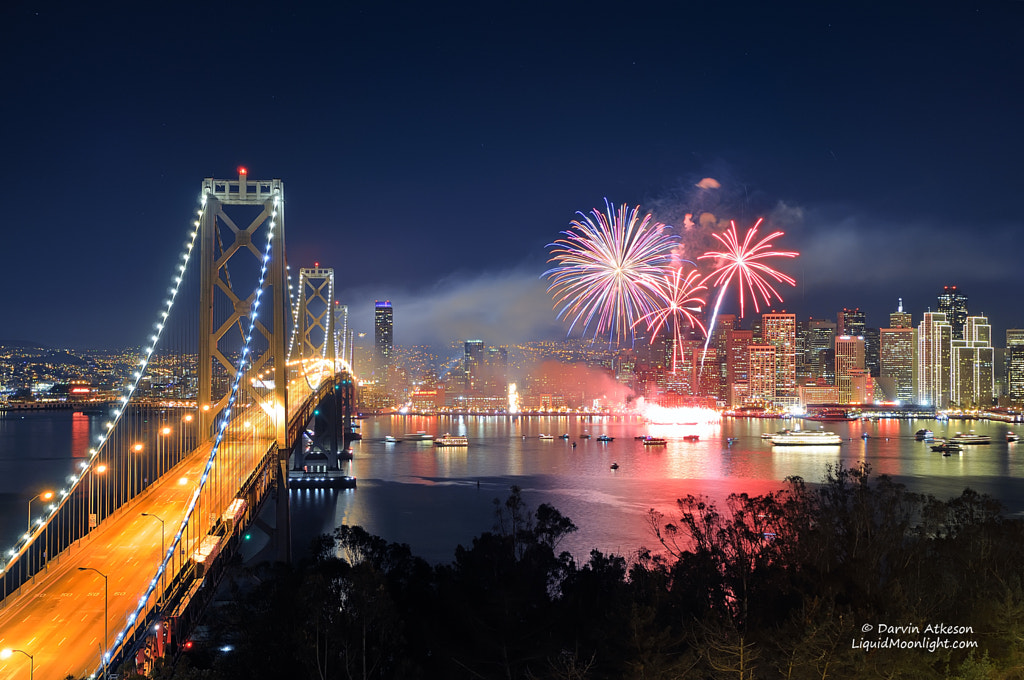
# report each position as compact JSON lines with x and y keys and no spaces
{"x":744,"y":263}
{"x":678,"y":305}
{"x":608,"y":269}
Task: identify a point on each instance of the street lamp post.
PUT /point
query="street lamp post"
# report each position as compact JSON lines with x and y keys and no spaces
{"x":106,"y":614}
{"x":6,"y":654}
{"x":163,"y":549}
{"x":45,"y":495}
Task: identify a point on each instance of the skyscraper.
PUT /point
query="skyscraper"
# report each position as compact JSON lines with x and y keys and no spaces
{"x":849,"y":356}
{"x":762,"y":374}
{"x":1015,"y":365}
{"x":896,"y":365}
{"x":934,"y":354}
{"x":383,"y":331}
{"x":851,"y":322}
{"x":779,"y":330}
{"x":953,"y":304}
{"x":971,"y":383}
{"x":901,"y":319}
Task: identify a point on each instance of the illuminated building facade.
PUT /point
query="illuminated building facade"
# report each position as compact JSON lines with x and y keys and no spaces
{"x":896,"y":363}
{"x":819,"y":352}
{"x":1015,"y":365}
{"x":761,"y":374}
{"x":851,"y":322}
{"x":901,"y":319}
{"x":934,"y":354}
{"x":383,"y":331}
{"x":779,"y":330}
{"x":737,"y":364}
{"x":849,"y":356}
{"x":972,"y":383}
{"x":953,"y":303}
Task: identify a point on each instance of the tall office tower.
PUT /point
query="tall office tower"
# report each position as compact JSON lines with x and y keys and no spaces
{"x":473,"y":364}
{"x":872,"y":348}
{"x":972,"y":379}
{"x":383,"y":331}
{"x":761,"y":372}
{"x":1014,"y":369}
{"x":779,"y":330}
{"x":737,"y":363}
{"x":341,"y":348}
{"x":901,"y":319}
{"x":720,"y":342}
{"x":849,"y":356}
{"x":934,"y":353}
{"x":953,"y":304}
{"x":851,"y":322}
{"x":896,"y":363}
{"x":820,"y":349}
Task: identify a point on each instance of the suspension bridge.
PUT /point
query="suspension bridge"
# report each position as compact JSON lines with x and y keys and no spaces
{"x":242,"y":384}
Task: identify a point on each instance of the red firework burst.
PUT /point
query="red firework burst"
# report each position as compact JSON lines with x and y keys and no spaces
{"x":744,"y":262}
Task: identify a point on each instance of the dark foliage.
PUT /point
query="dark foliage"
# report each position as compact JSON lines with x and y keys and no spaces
{"x":787,"y":585}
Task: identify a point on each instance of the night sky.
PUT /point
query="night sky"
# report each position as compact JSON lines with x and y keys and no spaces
{"x":431,"y":151}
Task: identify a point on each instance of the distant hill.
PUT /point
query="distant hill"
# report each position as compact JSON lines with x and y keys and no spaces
{"x":28,"y":344}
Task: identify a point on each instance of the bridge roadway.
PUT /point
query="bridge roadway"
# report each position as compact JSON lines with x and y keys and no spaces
{"x":59,"y":618}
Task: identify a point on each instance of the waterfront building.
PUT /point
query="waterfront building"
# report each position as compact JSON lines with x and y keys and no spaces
{"x":761,"y":373}
{"x":818,"y":392}
{"x":934,"y":354}
{"x":849,"y":356}
{"x":779,"y":330}
{"x":953,"y":303}
{"x":862,"y":386}
{"x":737,"y":362}
{"x":972,"y":361}
{"x":896,"y":363}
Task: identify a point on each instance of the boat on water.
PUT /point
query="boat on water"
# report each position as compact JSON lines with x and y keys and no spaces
{"x":565,"y":436}
{"x":389,"y":439}
{"x":420,"y":436}
{"x":947,"y":447}
{"x":615,"y":466}
{"x":584,"y":436}
{"x":547,"y":437}
{"x":451,"y":440}
{"x":654,"y":441}
{"x":691,"y":438}
{"x":1012,"y":437}
{"x":831,"y":415}
{"x":924,"y":435}
{"x":971,"y":438}
{"x":771,"y":435}
{"x":605,"y":438}
{"x":807,"y":438}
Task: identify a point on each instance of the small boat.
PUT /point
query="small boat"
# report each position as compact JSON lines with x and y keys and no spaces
{"x":948,"y":447}
{"x":420,"y":436}
{"x":605,"y":438}
{"x":732,"y":440}
{"x":451,"y":440}
{"x":1012,"y":437}
{"x":584,"y":436}
{"x":691,"y":438}
{"x":865,"y":435}
{"x":654,"y":441}
{"x":971,"y":438}
{"x":615,"y":466}
{"x":389,"y":439}
{"x":565,"y":436}
{"x":547,"y":437}
{"x":923,"y":435}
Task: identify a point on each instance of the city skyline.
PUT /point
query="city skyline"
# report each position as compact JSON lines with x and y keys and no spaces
{"x":431,"y":154}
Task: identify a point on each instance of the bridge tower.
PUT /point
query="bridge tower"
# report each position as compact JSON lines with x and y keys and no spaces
{"x":236,"y":222}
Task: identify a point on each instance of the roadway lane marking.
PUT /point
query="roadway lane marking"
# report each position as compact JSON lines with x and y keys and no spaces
{"x":61,"y":641}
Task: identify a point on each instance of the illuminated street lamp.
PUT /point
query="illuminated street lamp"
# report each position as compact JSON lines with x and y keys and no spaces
{"x":45,"y":495}
{"x":7,"y":653}
{"x":106,"y":613}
